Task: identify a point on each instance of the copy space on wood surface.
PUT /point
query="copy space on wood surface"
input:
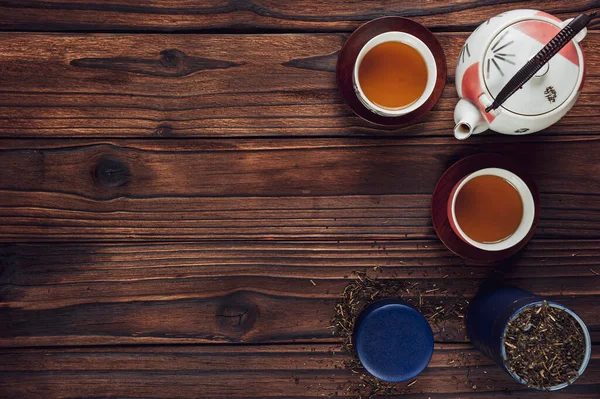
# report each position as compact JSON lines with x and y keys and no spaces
{"x":263,"y":15}
{"x":209,"y":86}
{"x":271,"y":189}
{"x":249,"y":291}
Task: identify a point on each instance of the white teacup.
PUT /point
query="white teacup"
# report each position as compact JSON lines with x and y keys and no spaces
{"x":526,"y":220}
{"x":415,"y":43}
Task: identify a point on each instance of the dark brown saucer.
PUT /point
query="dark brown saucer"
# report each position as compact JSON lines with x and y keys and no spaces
{"x":439,"y":207}
{"x":355,"y":43}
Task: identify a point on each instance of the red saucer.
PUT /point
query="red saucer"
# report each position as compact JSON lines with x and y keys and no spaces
{"x":355,"y":43}
{"x":439,"y":207}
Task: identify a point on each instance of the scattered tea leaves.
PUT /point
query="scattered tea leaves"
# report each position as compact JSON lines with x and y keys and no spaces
{"x":544,"y":346}
{"x":365,"y":290}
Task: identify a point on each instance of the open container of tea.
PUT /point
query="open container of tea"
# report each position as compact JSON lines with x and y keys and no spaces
{"x":540,"y":343}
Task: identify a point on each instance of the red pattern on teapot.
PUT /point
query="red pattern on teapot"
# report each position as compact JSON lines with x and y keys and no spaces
{"x":471,"y":89}
{"x":544,"y":32}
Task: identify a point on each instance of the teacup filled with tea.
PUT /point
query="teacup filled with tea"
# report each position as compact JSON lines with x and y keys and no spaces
{"x":491,"y":209}
{"x":394,"y":74}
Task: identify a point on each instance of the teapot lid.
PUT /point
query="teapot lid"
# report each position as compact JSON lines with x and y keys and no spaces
{"x":550,"y":87}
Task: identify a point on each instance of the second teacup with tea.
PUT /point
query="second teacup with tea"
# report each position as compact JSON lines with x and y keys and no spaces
{"x":394,"y":74}
{"x":491,"y":209}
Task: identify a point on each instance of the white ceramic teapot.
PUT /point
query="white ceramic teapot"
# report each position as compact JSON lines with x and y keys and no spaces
{"x":494,"y":53}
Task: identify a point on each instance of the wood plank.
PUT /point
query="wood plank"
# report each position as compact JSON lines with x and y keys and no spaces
{"x":185,"y":15}
{"x":209,"y":86}
{"x":270,"y":189}
{"x":278,"y":371}
{"x":251,"y":292}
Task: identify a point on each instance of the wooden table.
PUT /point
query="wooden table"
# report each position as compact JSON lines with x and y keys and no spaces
{"x":184,"y":195}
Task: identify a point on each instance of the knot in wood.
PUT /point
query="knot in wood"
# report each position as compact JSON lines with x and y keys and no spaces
{"x":237,"y":314}
{"x":172,"y":58}
{"x":111,"y":172}
{"x":164,"y":130}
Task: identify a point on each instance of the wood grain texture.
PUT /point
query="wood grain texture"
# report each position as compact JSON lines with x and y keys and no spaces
{"x":278,"y":371}
{"x":209,"y":86}
{"x":271,"y":189}
{"x":250,"y":292}
{"x":251,"y":15}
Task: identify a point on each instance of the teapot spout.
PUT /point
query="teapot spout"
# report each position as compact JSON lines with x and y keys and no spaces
{"x":468,"y":120}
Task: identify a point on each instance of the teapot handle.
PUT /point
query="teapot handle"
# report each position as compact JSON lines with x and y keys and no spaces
{"x":561,"y":39}
{"x":578,"y":37}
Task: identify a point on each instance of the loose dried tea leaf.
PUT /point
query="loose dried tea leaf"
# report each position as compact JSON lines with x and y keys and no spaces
{"x":365,"y":290}
{"x":545,"y":346}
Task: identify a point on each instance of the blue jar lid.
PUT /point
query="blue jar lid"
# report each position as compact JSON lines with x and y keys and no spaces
{"x":393,"y":340}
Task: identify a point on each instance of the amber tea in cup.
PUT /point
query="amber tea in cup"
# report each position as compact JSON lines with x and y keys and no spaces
{"x":394,"y":74}
{"x":491,"y":209}
{"x":488,"y":209}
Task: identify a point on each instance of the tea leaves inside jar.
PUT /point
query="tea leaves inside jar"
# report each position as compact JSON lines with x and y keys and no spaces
{"x":545,"y":346}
